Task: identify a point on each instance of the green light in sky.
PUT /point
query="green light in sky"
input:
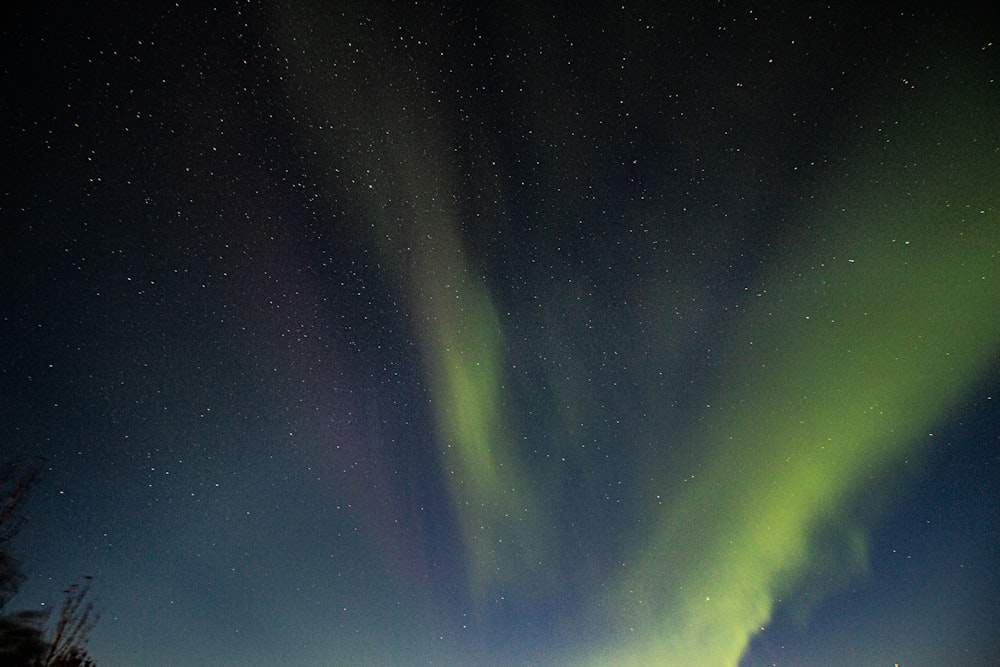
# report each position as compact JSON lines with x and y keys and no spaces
{"x":491,"y":494}
{"x":868,"y":334}
{"x":397,"y":159}
{"x":417,"y":231}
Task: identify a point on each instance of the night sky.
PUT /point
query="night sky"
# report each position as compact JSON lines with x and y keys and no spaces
{"x":532,"y":334}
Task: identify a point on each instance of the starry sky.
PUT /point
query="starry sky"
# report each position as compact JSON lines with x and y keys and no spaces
{"x":362,"y":333}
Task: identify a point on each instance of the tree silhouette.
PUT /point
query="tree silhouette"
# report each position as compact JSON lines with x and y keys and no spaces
{"x":16,"y":480}
{"x":76,"y":620}
{"x":22,"y":634}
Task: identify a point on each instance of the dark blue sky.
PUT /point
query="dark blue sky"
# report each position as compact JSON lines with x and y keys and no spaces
{"x":362,"y":334}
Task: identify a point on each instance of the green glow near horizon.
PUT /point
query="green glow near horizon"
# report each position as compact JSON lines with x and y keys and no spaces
{"x":863,"y":342}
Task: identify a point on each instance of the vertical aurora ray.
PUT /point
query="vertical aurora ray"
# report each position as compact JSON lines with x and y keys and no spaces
{"x":387,"y":136}
{"x":461,"y":338}
{"x":858,"y":344}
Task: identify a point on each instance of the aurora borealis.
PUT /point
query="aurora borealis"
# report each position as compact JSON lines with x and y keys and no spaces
{"x":863,"y":340}
{"x":366,"y":334}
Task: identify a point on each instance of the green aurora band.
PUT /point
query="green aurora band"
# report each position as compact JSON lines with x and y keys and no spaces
{"x":396,"y":158}
{"x":460,"y":337}
{"x":878,"y":321}
{"x":865,"y":340}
